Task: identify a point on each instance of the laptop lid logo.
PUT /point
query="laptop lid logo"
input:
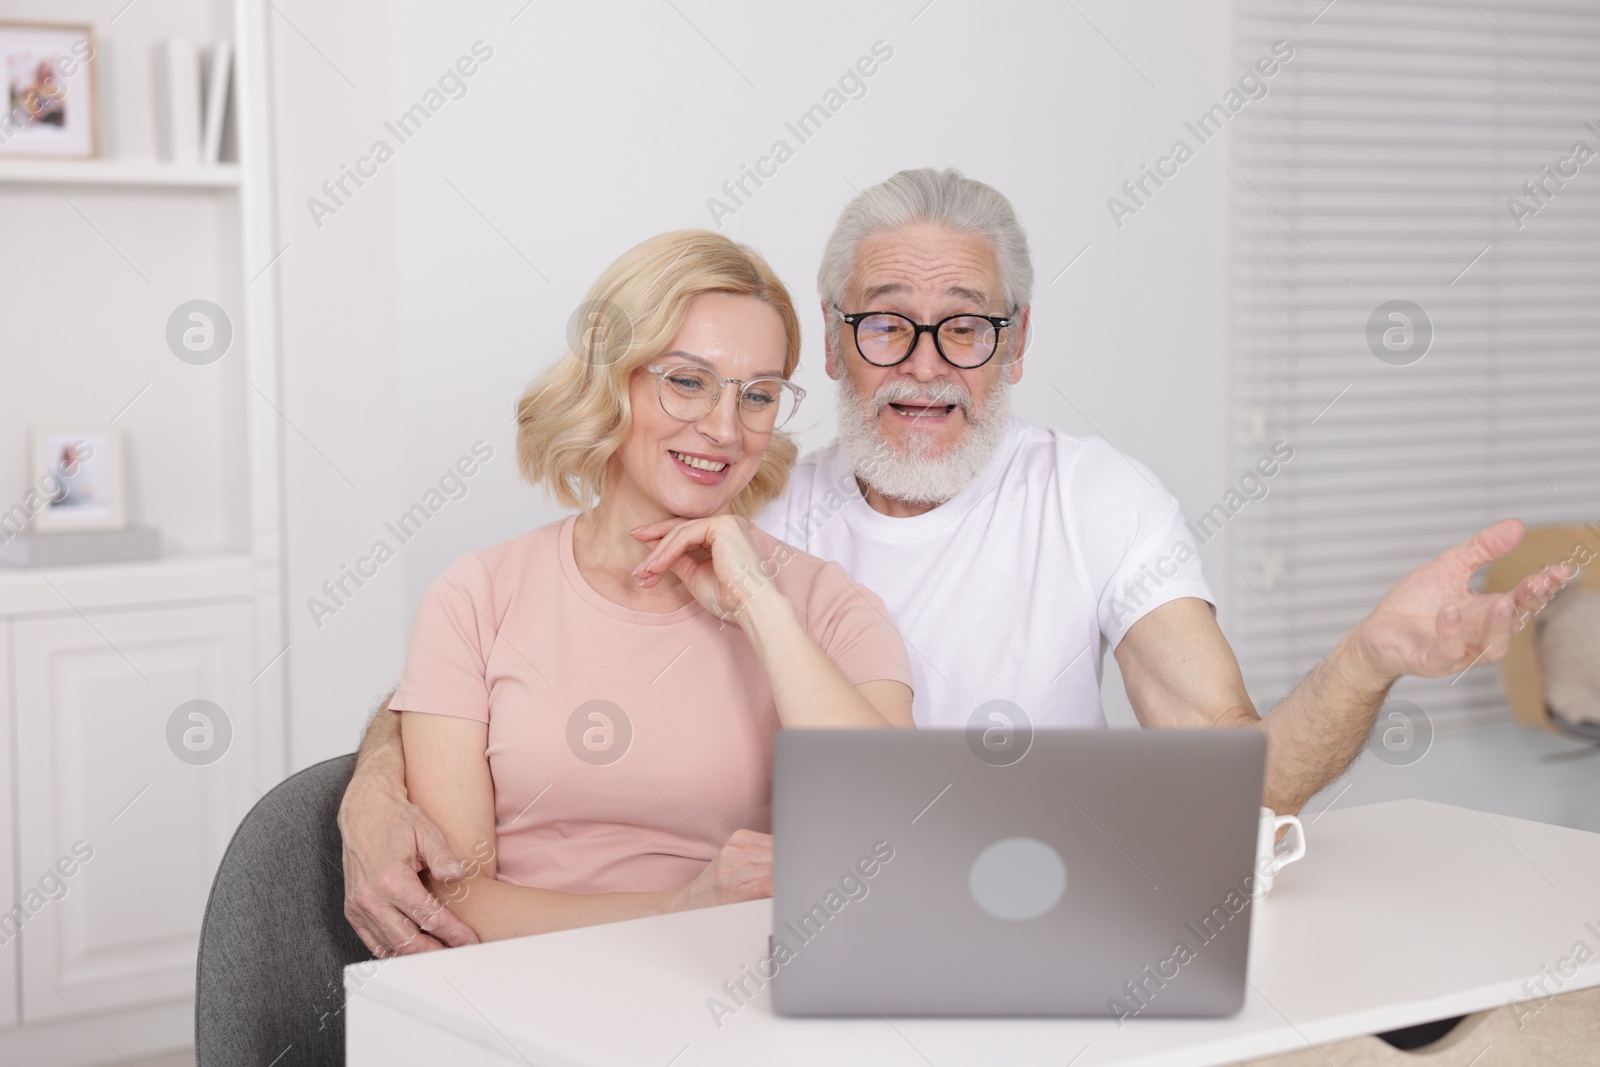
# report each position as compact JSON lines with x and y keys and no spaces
{"x":1017,"y":879}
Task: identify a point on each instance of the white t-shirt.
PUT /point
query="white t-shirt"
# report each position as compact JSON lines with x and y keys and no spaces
{"x":1013,"y":589}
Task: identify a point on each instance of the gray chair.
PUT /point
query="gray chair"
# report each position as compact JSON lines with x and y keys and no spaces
{"x":269,"y":986}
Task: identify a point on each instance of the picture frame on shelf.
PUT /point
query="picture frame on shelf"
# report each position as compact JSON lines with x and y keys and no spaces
{"x":82,"y":477}
{"x":48,"y":81}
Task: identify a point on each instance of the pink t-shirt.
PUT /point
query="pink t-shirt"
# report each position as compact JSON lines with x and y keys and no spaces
{"x":625,"y":746}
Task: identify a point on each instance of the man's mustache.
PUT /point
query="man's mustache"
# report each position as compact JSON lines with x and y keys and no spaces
{"x":902,"y":392}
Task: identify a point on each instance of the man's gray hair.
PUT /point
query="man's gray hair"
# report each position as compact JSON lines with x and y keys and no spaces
{"x":940,"y":197}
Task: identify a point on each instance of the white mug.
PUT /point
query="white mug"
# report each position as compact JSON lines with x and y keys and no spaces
{"x":1272,"y":857}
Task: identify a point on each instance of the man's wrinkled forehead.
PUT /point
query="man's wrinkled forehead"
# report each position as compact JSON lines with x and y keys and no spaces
{"x":874,"y":293}
{"x":926,"y":261}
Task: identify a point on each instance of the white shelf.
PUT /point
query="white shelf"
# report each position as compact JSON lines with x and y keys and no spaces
{"x":32,"y":590}
{"x":150,"y":175}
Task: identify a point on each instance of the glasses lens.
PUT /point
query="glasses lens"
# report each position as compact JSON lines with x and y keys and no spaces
{"x":687,"y":392}
{"x":967,"y":340}
{"x":884,"y":339}
{"x":766,"y":404}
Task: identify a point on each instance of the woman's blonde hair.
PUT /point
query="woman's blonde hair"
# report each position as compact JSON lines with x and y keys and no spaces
{"x":575,"y":417}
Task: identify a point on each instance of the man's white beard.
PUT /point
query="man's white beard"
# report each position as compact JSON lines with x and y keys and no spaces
{"x":917,"y":476}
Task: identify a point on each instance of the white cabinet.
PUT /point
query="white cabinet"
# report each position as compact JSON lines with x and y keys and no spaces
{"x":119,"y":835}
{"x":94,"y":660}
{"x":111,"y":827}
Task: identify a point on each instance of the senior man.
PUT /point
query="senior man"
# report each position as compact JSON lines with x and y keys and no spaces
{"x":1009,"y":555}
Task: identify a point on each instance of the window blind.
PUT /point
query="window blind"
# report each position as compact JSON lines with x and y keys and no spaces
{"x":1424,"y":151}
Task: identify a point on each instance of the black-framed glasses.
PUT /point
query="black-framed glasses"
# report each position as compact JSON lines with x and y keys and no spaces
{"x":885,"y":338}
{"x":690,"y":393}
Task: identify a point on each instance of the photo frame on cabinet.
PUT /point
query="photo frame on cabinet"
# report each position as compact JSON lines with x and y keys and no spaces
{"x":48,"y":81}
{"x":80,"y":475}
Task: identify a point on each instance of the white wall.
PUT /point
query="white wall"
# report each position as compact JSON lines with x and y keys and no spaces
{"x":415,"y":315}
{"x":339,"y":337}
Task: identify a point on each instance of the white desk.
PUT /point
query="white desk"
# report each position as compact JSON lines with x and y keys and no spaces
{"x":1400,"y":913}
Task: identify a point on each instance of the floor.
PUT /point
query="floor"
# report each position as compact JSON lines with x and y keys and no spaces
{"x":1501,"y":768}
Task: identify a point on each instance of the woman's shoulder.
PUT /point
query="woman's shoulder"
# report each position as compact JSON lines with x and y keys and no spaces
{"x":804,"y":578}
{"x":849,"y":621}
{"x":509,"y":561}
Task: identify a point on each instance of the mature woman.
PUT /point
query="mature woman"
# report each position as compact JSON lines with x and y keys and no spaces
{"x":588,"y":709}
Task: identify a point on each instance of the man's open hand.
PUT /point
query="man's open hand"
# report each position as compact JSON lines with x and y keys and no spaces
{"x":387,"y":841}
{"x":1432,"y":623}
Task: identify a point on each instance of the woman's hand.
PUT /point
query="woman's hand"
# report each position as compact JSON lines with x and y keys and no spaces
{"x":718,"y":562}
{"x":716,"y":559}
{"x":742,"y":871}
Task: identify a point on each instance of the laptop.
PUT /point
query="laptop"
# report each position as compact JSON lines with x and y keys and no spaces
{"x":1069,"y":872}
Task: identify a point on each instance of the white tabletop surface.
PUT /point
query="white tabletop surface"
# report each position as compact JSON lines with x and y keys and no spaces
{"x":1400,"y":913}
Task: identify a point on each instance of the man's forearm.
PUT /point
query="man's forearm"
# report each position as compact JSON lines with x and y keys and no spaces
{"x":1317,"y":731}
{"x":381,"y":758}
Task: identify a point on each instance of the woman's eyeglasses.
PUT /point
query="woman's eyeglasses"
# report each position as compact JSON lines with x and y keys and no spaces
{"x":690,"y":393}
